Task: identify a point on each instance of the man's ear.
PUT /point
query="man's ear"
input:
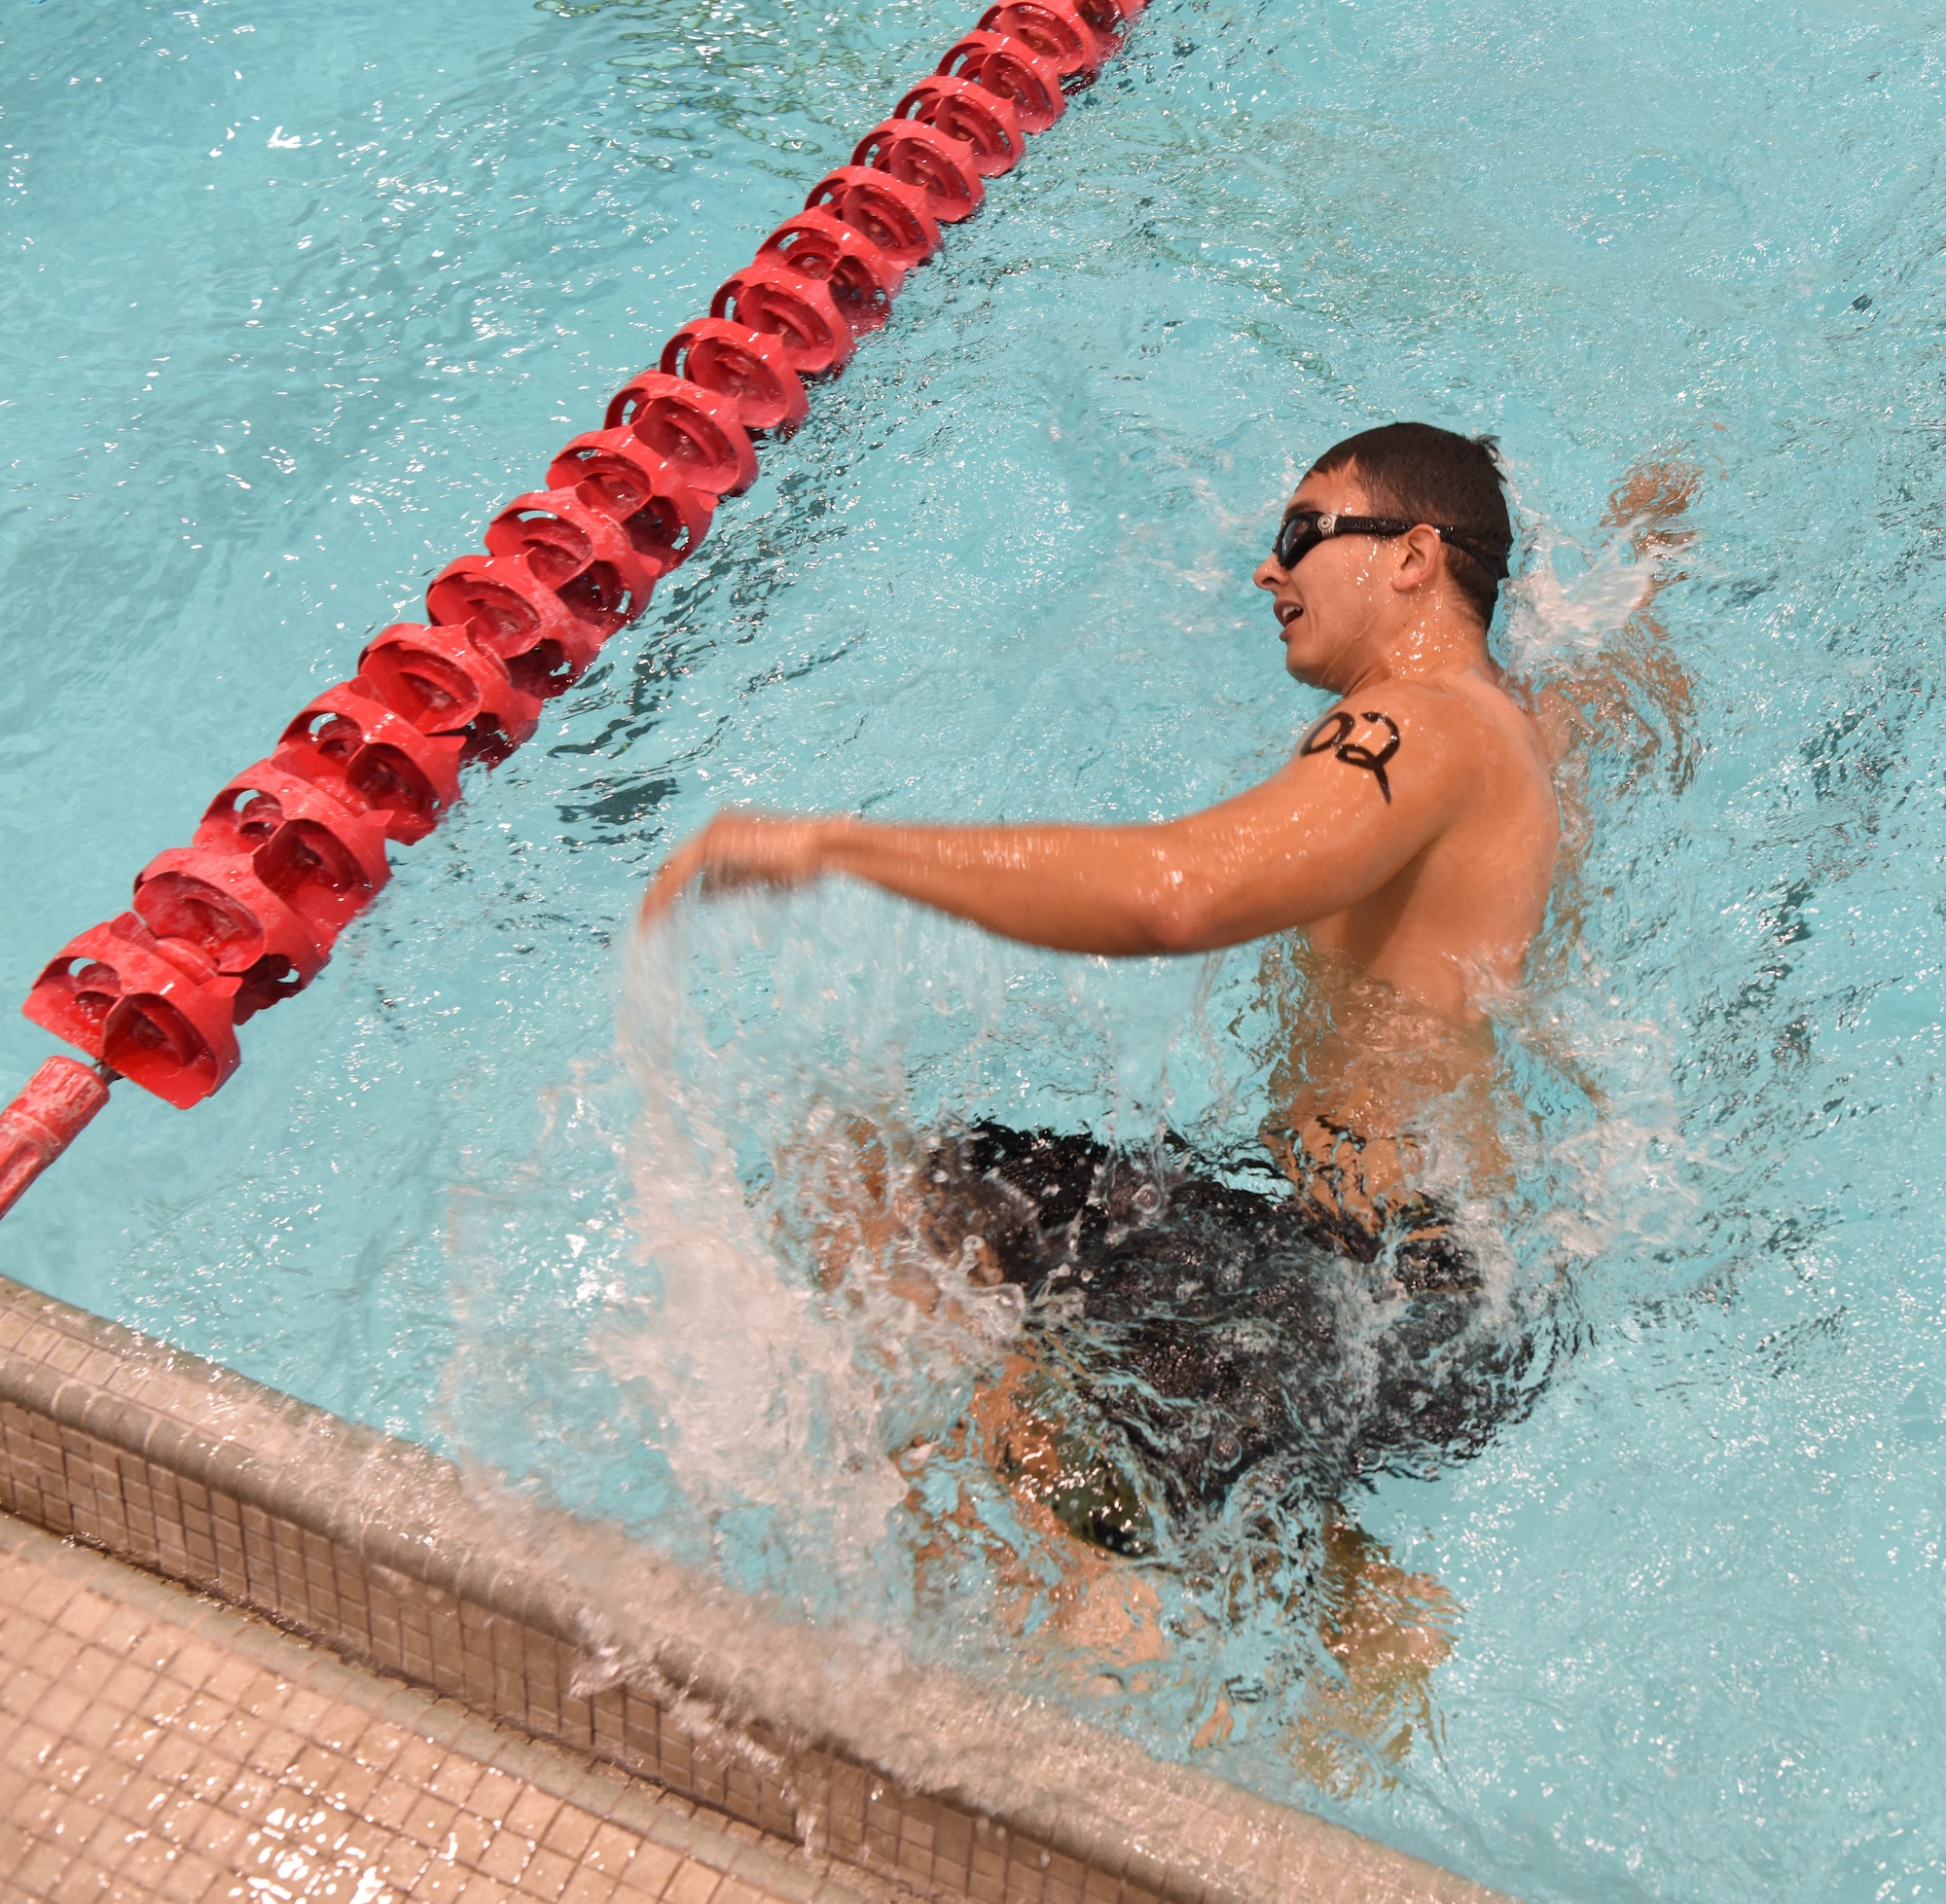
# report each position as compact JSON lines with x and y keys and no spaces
{"x":1421,"y":553}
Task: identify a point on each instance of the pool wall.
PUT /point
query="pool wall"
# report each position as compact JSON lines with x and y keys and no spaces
{"x":379,"y":1548}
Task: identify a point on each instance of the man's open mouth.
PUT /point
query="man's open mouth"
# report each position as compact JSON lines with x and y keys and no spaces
{"x":1287,"y":612}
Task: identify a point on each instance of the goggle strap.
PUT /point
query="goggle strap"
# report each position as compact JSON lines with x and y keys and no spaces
{"x":1328,"y":524}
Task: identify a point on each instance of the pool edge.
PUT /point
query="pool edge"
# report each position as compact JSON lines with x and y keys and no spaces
{"x":376,"y":1548}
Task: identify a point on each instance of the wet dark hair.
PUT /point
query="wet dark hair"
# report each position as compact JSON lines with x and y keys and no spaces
{"x":1429,"y":474}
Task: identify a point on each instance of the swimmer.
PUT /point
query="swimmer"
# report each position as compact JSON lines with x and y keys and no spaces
{"x":1399,"y":864}
{"x":1410,"y":839}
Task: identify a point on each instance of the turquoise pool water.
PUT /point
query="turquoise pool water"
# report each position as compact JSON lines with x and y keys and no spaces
{"x":290,"y":305}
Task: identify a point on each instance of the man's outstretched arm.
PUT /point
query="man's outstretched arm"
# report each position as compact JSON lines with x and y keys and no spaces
{"x":1317,"y":837}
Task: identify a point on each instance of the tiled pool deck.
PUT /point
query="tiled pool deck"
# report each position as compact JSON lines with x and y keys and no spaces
{"x":155,"y":1744}
{"x":667,"y":1704}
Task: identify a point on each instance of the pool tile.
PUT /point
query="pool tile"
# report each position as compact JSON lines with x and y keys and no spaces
{"x":88,"y":1440}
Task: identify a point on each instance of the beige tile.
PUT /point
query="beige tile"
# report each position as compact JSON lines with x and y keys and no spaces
{"x":401,"y":1862}
{"x":653,"y":1869}
{"x":81,"y":1883}
{"x":56,"y":1651}
{"x":611,"y":1850}
{"x":98,"y":1724}
{"x":588,"y":1886}
{"x":114,"y":1839}
{"x":693,"y":1883}
{"x":275,"y":1752}
{"x":248,"y":1794}
{"x":28,"y":1746}
{"x":84,"y":1615}
{"x":135,"y":1740}
{"x":339,"y":1885}
{"x":546,"y":1876}
{"x":494,"y":1795}
{"x":76,"y":1823}
{"x":93,"y":1672}
{"x":122,"y":1630}
{"x":439,"y":1884}
{"x":141,"y":1799}
{"x":147,"y":1863}
{"x":418,"y":1760}
{"x":304,"y":1711}
{"x":349,"y":1785}
{"x":314,"y":1768}
{"x":467,"y":1838}
{"x":232,"y":1679}
{"x":204,"y":1717}
{"x":429,"y":1819}
{"x":173,"y":1758}
{"x":189,"y":1877}
{"x":181,"y":1821}
{"x":164,"y":1766}
{"x":455,"y":1778}
{"x":194,"y":1661}
{"x":532,"y":1813}
{"x":218,"y":1836}
{"x":24,"y":1691}
{"x":505,"y":1857}
{"x":340,"y":1725}
{"x":68,"y":1763}
{"x":263,"y":1694}
{"x":165,"y":1697}
{"x":323,"y":1828}
{"x":570,"y":1832}
{"x":41,"y":1870}
{"x":37,"y":1810}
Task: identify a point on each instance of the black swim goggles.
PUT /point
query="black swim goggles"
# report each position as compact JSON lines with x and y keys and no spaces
{"x":1302,"y":530}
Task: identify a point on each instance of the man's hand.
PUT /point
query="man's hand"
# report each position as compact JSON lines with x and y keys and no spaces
{"x":738,"y":849}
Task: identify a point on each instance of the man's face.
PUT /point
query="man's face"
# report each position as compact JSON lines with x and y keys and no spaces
{"x":1326,"y":604}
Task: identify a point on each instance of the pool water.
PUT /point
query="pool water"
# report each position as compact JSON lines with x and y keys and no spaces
{"x":291,"y":307}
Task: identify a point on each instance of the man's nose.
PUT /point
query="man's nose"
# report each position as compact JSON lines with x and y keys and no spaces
{"x":1268,"y":574}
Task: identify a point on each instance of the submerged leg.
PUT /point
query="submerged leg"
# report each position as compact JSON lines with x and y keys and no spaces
{"x":1388,"y":1629}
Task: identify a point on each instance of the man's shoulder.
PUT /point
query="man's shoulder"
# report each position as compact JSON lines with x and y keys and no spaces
{"x":1423,"y":734}
{"x":1466,"y":711}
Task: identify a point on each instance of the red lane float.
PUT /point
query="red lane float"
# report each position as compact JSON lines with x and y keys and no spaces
{"x":862,"y":279}
{"x":216,"y":903}
{"x":374,"y":759}
{"x":696,"y":430}
{"x":1070,"y":44}
{"x":159,"y":1014}
{"x":294,"y":848}
{"x":748,"y":367}
{"x":916,"y":153}
{"x":576,"y":543}
{"x":1011,"y":70}
{"x":892,"y":215}
{"x":985,"y":123}
{"x":54,"y":1110}
{"x":515,"y":615}
{"x":653,"y":503}
{"x":443,"y":681}
{"x":799,"y":311}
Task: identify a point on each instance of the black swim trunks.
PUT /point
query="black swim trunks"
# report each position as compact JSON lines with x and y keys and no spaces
{"x":1205,"y":1335}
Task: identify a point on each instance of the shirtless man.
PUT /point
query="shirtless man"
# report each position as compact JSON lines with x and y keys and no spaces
{"x":1411,"y":837}
{"x":1411,"y":840}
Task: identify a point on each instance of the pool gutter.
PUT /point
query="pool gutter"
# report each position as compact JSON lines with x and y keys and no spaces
{"x":567,"y":1631}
